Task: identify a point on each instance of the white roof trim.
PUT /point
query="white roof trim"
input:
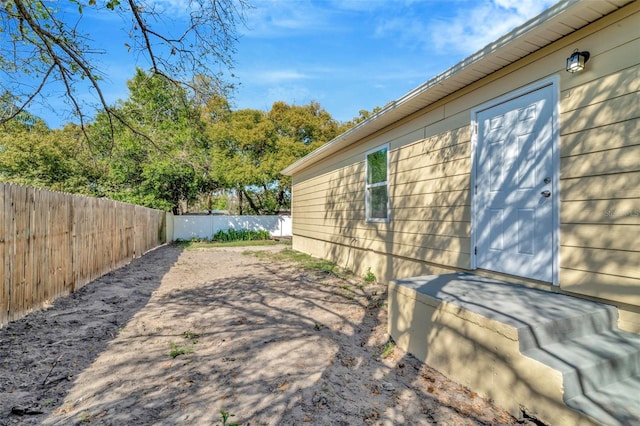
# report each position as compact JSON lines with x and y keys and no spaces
{"x":480,"y":64}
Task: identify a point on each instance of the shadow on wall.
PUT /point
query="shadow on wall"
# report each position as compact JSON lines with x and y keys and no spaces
{"x":429,"y":211}
{"x":430,"y":201}
{"x":600,"y":181}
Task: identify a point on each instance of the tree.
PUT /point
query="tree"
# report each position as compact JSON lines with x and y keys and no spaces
{"x":251,"y":147}
{"x":163,"y":164}
{"x":42,"y":42}
{"x":308,"y":124}
{"x":32,"y":154}
{"x":363,"y":115}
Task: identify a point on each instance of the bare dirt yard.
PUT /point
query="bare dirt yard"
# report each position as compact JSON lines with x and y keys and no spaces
{"x":179,"y":335}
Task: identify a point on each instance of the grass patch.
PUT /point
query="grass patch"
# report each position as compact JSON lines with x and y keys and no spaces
{"x":369,"y":277}
{"x":302,"y":259}
{"x":193,"y":337}
{"x":196,"y":244}
{"x":176,"y":350}
{"x":387,"y":349}
{"x":225,"y":416}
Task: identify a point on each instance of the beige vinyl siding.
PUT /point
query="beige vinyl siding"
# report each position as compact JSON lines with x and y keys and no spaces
{"x":430,"y":166}
{"x":600,"y":169}
{"x":619,"y":185}
{"x":428,"y":179}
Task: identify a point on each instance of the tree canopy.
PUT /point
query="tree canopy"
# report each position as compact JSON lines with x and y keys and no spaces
{"x":251,"y":148}
{"x":175,"y":142}
{"x":32,"y":154}
{"x":183,"y":152}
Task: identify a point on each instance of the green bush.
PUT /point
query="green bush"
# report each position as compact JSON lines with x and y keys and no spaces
{"x":369,"y":277}
{"x":241,"y":235}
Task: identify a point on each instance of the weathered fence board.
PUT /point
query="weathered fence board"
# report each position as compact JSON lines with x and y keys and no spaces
{"x":53,"y":243}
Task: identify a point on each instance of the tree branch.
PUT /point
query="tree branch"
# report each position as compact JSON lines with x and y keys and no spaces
{"x":43,"y":44}
{"x":30,"y":98}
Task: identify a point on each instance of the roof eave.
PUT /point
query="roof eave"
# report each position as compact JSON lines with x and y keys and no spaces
{"x":419,"y":98}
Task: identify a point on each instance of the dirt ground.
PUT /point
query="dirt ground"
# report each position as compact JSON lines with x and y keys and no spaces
{"x":266,"y":341}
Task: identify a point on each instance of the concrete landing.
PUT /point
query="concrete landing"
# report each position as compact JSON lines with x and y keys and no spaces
{"x":559,"y":358}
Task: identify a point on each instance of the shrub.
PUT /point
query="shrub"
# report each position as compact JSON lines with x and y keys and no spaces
{"x":387,"y":349}
{"x":176,"y":350}
{"x":369,"y":277}
{"x":241,"y":235}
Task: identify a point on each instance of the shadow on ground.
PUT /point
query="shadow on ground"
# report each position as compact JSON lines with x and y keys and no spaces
{"x":267,"y":342}
{"x":43,"y":353}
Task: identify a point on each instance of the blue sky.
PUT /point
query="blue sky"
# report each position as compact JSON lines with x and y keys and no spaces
{"x":348,"y":55}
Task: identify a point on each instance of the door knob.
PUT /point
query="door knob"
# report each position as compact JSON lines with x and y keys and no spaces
{"x":546,"y":194}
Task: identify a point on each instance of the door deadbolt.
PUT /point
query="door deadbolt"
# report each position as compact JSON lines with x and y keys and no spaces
{"x":547,"y":180}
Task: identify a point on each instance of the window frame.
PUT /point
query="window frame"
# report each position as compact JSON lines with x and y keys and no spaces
{"x":368,"y":186}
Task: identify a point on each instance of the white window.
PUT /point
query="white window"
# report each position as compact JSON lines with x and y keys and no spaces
{"x":377,"y":187}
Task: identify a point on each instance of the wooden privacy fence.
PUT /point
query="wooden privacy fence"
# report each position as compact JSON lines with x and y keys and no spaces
{"x":53,"y":243}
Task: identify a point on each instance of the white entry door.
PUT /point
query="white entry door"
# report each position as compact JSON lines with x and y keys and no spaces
{"x":514,"y":186}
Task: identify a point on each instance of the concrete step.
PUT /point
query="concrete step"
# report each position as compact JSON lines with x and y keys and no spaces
{"x":617,"y":404}
{"x":591,"y":362}
{"x":599,"y":364}
{"x":580,"y":318}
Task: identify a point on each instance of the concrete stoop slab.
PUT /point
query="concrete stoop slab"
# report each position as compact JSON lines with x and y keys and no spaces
{"x":559,"y":358}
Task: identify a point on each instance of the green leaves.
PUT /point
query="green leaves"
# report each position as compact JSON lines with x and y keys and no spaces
{"x":32,"y":154}
{"x":162,"y":164}
{"x":251,"y":147}
{"x":111,"y":5}
{"x":240,"y":235}
{"x":377,"y":166}
{"x":177,"y":149}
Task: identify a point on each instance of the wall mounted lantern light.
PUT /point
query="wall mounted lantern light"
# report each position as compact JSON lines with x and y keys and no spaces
{"x":576,"y":61}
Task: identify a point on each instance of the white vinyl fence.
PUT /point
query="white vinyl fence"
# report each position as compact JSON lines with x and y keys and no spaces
{"x":186,"y":227}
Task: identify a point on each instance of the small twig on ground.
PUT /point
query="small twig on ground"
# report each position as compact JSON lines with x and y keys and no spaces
{"x":62,"y":341}
{"x":51,"y":370}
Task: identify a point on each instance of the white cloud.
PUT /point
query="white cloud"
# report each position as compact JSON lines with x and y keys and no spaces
{"x":475,"y":27}
{"x":272,"y":18}
{"x":278,"y":76}
{"x":291,"y":94}
{"x":172,"y":8}
{"x":524,"y":7}
{"x":471,"y":26}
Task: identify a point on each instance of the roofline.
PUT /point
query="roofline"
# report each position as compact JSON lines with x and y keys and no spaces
{"x":391,"y":113}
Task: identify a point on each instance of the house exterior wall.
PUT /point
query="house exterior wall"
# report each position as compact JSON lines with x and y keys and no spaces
{"x":430,"y":162}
